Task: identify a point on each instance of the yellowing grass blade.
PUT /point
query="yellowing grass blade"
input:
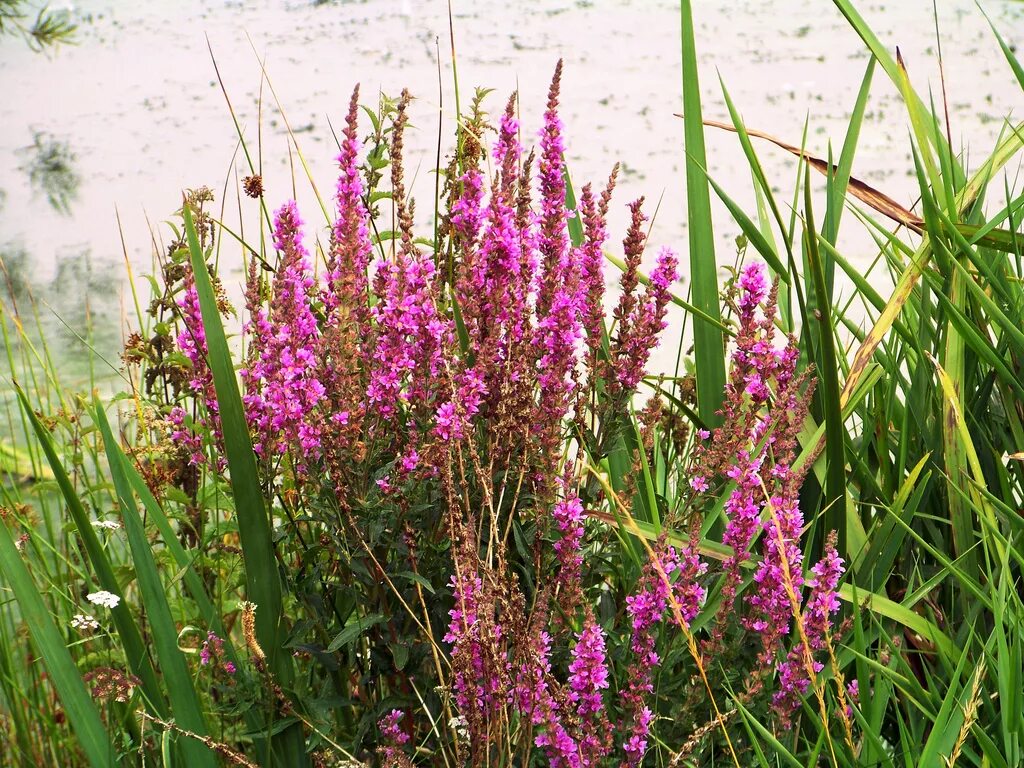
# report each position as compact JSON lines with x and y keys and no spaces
{"x":964,"y":447}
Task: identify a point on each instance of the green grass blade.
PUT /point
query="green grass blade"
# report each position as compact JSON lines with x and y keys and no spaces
{"x":755,"y":726}
{"x":753,"y":233}
{"x":709,"y":351}
{"x":134,"y":649}
{"x":263,"y":585}
{"x":839,"y":182}
{"x":183,"y":698}
{"x":948,"y":720}
{"x":18,"y":706}
{"x":193,"y":583}
{"x":968,"y":460}
{"x":836,"y":500}
{"x":761,"y":183}
{"x":61,"y":669}
{"x":886,"y":537}
{"x":1011,"y":59}
{"x":891,"y":67}
{"x":901,"y":614}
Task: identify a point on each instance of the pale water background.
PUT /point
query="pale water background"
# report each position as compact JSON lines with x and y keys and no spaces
{"x":136,"y":101}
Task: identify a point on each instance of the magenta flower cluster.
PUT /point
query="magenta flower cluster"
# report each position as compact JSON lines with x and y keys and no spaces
{"x":568,"y":516}
{"x":212,"y":653}
{"x":349,"y":257}
{"x":390,"y":730}
{"x":187,"y":429}
{"x":476,"y":685}
{"x":393,"y":738}
{"x":528,"y":304}
{"x":412,"y":335}
{"x":671,"y":582}
{"x":643,"y":326}
{"x":754,"y":450}
{"x":794,"y":675}
{"x":588,"y":671}
{"x":424,"y":358}
{"x":283,"y":387}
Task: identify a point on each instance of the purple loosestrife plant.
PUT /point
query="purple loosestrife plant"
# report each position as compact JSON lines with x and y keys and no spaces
{"x":393,"y":354}
{"x":410,"y":368}
{"x":765,"y":407}
{"x":567,"y":514}
{"x":591,"y":256}
{"x":192,"y":338}
{"x":822,"y":602}
{"x":674,"y":575}
{"x":559,"y":341}
{"x":345,"y":292}
{"x":442,"y":409}
{"x":467,"y":216}
{"x":192,"y":342}
{"x":343,"y":358}
{"x":283,"y":388}
{"x":588,"y":679}
{"x":562,"y":293}
{"x":552,"y":238}
{"x":537,"y":702}
{"x":640,"y":331}
{"x":478,"y":682}
{"x":393,"y":738}
{"x":638,"y":319}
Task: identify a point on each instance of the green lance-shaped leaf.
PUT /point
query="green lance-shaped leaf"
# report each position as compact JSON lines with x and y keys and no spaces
{"x":131,"y":639}
{"x":709,"y":349}
{"x":60,"y":667}
{"x":193,"y":583}
{"x":262,"y":580}
{"x":184,"y":701}
{"x":837,"y":505}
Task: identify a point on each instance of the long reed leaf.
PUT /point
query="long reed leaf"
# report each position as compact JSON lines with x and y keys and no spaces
{"x":709,"y":351}
{"x":836,"y":500}
{"x":263,"y":586}
{"x":180,"y":690}
{"x":60,"y":667}
{"x":134,"y":648}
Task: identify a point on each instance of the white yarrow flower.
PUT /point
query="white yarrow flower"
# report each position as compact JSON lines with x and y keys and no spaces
{"x":84,"y":622}
{"x":460,"y":726}
{"x":104,"y":598}
{"x":107,"y":525}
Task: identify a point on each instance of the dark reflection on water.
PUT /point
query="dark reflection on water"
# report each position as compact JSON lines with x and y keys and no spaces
{"x":75,"y":312}
{"x":50,"y":165}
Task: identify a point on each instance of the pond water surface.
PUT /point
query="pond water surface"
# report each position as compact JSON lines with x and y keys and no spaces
{"x":137,"y":104}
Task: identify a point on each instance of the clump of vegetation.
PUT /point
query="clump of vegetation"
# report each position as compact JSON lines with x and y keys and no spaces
{"x":45,"y":29}
{"x":50,"y":165}
{"x":430,"y":507}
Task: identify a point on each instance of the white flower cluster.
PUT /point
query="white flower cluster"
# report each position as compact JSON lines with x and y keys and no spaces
{"x":107,"y":525}
{"x":84,"y":622}
{"x":461,"y":728}
{"x":104,"y":598}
